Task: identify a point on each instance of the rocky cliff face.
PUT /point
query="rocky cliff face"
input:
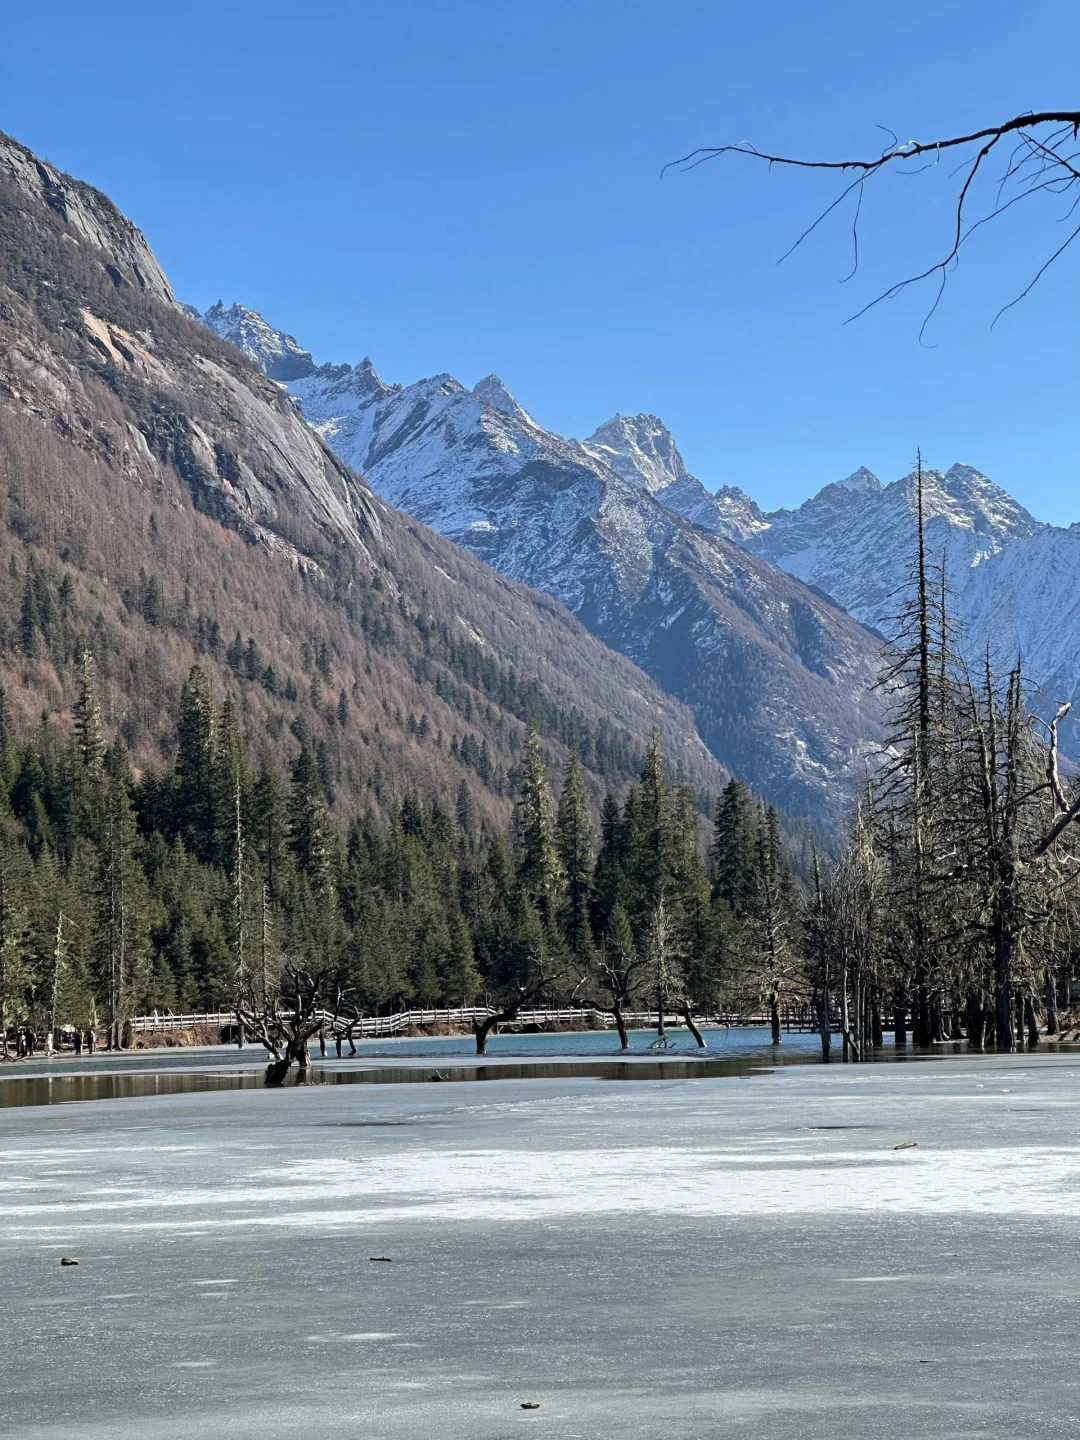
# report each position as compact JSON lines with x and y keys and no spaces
{"x":778,"y":677}
{"x":164,"y":499}
{"x":89,"y":218}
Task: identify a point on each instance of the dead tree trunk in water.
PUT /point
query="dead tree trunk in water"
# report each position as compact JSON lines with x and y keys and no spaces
{"x":1031,"y":1021}
{"x":688,"y":1016}
{"x":286,"y":1020}
{"x":976,"y":1021}
{"x":1050,"y":992}
{"x":483,"y":1028}
{"x":900,"y":1018}
{"x":620,"y":1025}
{"x":845,"y":1022}
{"x":824,"y":1024}
{"x":527,"y":991}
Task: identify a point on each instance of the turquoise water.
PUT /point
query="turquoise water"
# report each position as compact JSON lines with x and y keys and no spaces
{"x":595,"y":1055}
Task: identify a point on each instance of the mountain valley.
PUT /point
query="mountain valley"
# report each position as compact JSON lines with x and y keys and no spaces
{"x":582,"y":519}
{"x":779,"y":678}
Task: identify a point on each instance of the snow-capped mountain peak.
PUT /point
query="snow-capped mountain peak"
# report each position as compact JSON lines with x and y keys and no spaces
{"x":492,"y":390}
{"x":278,"y":354}
{"x":861,"y":482}
{"x":641,"y":449}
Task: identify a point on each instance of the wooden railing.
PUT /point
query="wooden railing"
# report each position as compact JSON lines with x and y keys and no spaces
{"x":377,"y":1026}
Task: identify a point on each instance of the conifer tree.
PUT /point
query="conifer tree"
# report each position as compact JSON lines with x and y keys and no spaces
{"x":609,"y":887}
{"x":575,"y":842}
{"x":649,"y":840}
{"x":733,"y":850}
{"x":9,"y":751}
{"x":539,"y":871}
{"x":269,"y":829}
{"x":195,"y":817}
{"x":121,"y":913}
{"x":309,"y":835}
{"x":15,"y":969}
{"x":88,"y":731}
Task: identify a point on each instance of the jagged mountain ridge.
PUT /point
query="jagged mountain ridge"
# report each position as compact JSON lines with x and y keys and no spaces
{"x":1014,"y":581}
{"x":162,"y":496}
{"x":855,"y":538}
{"x":780,"y":679}
{"x":642,"y":450}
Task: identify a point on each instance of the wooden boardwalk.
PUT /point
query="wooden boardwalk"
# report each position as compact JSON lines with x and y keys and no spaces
{"x":371,"y":1027}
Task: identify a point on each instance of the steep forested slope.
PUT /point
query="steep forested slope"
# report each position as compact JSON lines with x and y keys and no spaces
{"x":162,"y":501}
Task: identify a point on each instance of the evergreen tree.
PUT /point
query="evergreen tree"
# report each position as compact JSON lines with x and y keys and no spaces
{"x":609,"y":888}
{"x":195,"y":790}
{"x":121,"y":910}
{"x":15,"y":968}
{"x":268,"y":829}
{"x":88,"y":731}
{"x":539,"y":872}
{"x":733,"y":853}
{"x":9,"y":750}
{"x":309,"y":831}
{"x":575,"y":843}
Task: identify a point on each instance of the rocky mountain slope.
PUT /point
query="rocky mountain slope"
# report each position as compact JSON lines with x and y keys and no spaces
{"x":642,"y":450}
{"x":855,"y":538}
{"x":164,"y":501}
{"x":778,"y":677}
{"x":1014,"y":582}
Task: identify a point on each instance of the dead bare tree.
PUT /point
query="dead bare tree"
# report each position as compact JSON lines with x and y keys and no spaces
{"x":617,"y":975}
{"x":1032,"y":155}
{"x":285,"y":1017}
{"x":536,"y":977}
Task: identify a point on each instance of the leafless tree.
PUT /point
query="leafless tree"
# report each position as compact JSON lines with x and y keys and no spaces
{"x":616,"y":977}
{"x":534,"y":978}
{"x":286,"y":1016}
{"x":998,"y":167}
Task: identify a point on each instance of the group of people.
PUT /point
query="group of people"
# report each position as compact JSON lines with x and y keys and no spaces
{"x":22,"y":1042}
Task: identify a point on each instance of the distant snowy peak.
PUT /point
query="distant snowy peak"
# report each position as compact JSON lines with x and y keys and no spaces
{"x":737,"y":516}
{"x":350,"y":384}
{"x":278,"y":354}
{"x":641,"y":449}
{"x":855,"y":538}
{"x":862,"y":482}
{"x":493,"y":392}
{"x":991,"y":509}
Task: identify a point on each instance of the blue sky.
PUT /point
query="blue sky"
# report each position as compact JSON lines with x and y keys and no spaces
{"x":475,"y":187}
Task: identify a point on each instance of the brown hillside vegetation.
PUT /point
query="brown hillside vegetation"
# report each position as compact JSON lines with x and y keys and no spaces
{"x":164,"y":503}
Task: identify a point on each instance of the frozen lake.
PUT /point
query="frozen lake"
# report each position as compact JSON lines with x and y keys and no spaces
{"x":744,"y":1255}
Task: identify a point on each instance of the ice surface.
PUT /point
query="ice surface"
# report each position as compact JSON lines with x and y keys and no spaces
{"x":704,"y":1257}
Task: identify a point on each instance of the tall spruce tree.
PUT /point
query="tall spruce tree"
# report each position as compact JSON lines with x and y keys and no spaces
{"x":575,"y":842}
{"x":540,"y":877}
{"x":194,"y":805}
